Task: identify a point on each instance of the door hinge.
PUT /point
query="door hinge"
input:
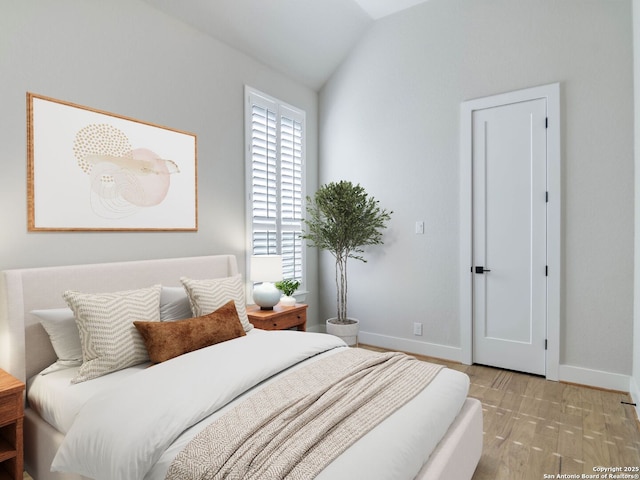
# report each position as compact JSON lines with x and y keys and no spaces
{"x":546,"y":197}
{"x":546,"y":122}
{"x":546,"y":270}
{"x":545,"y":343}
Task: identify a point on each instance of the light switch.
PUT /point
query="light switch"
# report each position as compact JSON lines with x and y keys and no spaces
{"x":417,"y":329}
{"x":419,"y":227}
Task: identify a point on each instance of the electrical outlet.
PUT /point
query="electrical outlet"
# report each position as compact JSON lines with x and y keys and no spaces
{"x":417,"y":329}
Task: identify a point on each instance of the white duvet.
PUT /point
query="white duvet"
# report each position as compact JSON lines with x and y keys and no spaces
{"x":133,"y":428}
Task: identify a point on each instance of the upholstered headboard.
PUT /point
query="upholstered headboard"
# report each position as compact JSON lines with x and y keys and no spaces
{"x":25,"y":348}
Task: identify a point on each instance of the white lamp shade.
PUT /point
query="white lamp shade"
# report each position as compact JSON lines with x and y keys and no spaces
{"x":266,"y":268}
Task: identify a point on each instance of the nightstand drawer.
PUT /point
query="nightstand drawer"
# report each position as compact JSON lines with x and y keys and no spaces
{"x":285,"y":322}
{"x":9,"y":408}
{"x":280,"y":318}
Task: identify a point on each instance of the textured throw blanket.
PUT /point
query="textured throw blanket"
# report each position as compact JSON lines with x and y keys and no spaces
{"x":294,"y":427}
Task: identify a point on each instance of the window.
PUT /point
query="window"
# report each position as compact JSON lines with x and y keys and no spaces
{"x":275,"y":140}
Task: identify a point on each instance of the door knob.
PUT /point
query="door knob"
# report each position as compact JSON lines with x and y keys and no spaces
{"x":481,"y":269}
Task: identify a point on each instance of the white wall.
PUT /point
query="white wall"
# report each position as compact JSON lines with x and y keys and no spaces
{"x":390,"y":121}
{"x":126,"y":57}
{"x":635,"y":377}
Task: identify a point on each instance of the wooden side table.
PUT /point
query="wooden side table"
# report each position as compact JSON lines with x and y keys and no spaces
{"x":11,"y":415}
{"x":280,"y":318}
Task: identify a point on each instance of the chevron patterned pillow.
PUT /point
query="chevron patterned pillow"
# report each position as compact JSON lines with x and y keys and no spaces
{"x":207,"y":296}
{"x":109,"y":339}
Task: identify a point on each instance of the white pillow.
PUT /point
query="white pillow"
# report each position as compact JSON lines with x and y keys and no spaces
{"x":108,"y":337}
{"x":207,"y":296}
{"x":174,"y":304}
{"x":60,"y":325}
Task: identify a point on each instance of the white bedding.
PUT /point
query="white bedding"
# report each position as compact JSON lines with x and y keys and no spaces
{"x":415,"y":428}
{"x":58,"y":401}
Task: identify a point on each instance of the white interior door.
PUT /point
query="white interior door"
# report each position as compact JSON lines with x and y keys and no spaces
{"x":510,"y":235}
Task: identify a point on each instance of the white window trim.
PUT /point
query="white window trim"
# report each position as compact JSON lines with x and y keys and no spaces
{"x":278,"y":106}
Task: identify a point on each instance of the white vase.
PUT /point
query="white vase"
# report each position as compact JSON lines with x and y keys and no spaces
{"x":286,"y":301}
{"x":346,"y":331}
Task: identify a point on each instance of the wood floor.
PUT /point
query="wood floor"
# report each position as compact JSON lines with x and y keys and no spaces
{"x":534,"y":427}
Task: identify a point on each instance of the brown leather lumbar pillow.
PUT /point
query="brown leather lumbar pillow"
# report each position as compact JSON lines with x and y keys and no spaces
{"x":166,"y":340}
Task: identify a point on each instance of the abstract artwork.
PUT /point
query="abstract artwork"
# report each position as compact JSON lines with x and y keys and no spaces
{"x":93,"y":170}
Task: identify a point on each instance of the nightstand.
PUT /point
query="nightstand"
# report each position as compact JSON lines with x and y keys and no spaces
{"x":11,"y":413}
{"x":280,"y":318}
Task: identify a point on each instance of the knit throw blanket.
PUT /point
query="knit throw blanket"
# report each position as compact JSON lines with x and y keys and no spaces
{"x":295,"y":426}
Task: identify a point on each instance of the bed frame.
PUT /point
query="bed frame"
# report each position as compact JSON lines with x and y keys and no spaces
{"x":25,"y":348}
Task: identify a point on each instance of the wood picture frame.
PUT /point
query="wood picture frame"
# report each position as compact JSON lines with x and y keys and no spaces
{"x":91,"y":170}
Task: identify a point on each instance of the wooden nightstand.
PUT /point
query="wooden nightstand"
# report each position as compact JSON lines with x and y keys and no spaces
{"x":11,"y":413}
{"x":280,"y":318}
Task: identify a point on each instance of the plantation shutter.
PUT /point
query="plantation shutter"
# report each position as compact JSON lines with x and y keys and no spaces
{"x":276,"y":170}
{"x":263,"y":151}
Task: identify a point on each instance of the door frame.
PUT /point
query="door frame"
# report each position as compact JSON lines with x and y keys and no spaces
{"x":551,"y":93}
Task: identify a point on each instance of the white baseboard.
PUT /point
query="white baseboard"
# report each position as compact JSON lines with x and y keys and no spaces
{"x":316,"y":328}
{"x":594,"y":378}
{"x":411,"y":346}
{"x":566,"y":373}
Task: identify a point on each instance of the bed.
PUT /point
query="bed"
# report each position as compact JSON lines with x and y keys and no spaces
{"x":412,"y":441}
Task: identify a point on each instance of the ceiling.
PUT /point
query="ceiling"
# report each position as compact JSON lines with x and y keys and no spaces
{"x":304,"y":39}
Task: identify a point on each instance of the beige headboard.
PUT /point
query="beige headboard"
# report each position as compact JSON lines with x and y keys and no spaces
{"x":25,"y":348}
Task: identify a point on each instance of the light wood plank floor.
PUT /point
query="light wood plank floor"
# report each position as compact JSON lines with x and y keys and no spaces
{"x":534,"y":427}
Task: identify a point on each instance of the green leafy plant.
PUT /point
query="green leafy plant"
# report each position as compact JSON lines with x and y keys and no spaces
{"x":343,"y":218}
{"x":288,"y":287}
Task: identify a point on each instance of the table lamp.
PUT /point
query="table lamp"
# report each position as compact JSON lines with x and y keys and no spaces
{"x":266,"y":269}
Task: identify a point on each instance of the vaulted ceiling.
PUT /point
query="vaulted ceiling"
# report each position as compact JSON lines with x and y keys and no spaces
{"x":304,"y":39}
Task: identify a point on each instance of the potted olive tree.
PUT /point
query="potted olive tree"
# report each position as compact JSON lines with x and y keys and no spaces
{"x":342,"y":218}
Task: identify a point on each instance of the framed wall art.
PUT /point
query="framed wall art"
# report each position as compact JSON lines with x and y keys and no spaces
{"x":94,"y":170}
